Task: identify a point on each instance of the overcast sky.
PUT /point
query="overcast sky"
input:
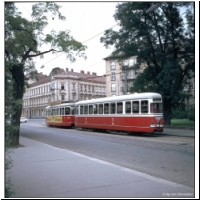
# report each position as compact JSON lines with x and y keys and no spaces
{"x":85,"y":20}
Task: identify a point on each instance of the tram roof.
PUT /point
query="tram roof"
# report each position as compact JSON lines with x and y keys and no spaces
{"x":146,"y":95}
{"x":60,"y":105}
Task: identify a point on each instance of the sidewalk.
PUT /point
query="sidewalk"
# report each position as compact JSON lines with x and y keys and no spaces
{"x":41,"y":170}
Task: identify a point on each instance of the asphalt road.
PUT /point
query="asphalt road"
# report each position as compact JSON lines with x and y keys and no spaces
{"x":161,"y":155}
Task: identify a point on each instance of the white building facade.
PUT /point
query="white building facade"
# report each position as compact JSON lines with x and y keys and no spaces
{"x":63,"y":86}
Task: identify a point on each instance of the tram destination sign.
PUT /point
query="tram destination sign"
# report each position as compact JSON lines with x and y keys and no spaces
{"x":51,"y":103}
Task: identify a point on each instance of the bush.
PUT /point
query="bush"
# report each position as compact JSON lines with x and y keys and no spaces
{"x":191,"y":113}
{"x":179,"y":114}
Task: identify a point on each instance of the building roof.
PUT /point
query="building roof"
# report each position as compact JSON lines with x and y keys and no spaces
{"x":82,"y":76}
{"x":120,"y":55}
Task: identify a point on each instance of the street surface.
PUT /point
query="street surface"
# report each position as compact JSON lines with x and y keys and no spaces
{"x":161,"y":155}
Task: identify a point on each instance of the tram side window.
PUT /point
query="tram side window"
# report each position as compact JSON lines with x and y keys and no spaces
{"x":90,"y":109}
{"x":156,"y":108}
{"x":67,"y":111}
{"x":62,"y":111}
{"x":100,"y":108}
{"x":128,"y":107}
{"x":119,"y":107}
{"x":144,"y":106}
{"x":85,"y":109}
{"x":135,"y":106}
{"x":112,"y":108}
{"x":81,"y":110}
{"x":95,"y":106}
{"x":106,"y":108}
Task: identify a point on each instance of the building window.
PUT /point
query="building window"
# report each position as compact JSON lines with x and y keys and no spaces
{"x":73,"y":86}
{"x":62,"y":86}
{"x":131,"y":63}
{"x":135,"y":60}
{"x":113,"y":77}
{"x":112,"y":66}
{"x":113,"y":87}
{"x":131,"y":73}
{"x":125,"y":62}
{"x":51,"y":86}
{"x":62,"y":97}
{"x":74,"y":97}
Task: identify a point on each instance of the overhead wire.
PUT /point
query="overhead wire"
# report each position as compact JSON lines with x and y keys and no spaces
{"x":83,"y":43}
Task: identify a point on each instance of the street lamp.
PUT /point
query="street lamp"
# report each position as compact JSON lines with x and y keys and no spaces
{"x":52,"y":88}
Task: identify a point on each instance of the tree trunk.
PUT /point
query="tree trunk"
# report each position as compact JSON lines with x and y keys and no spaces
{"x":18,"y":91}
{"x":167,"y":111}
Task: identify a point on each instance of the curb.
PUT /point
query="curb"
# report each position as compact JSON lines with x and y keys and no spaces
{"x":180,"y":127}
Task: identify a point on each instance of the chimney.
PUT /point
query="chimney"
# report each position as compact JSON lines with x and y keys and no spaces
{"x":93,"y":73}
{"x":72,"y":70}
{"x":66,"y":69}
{"x":88,"y":72}
{"x":82,"y":71}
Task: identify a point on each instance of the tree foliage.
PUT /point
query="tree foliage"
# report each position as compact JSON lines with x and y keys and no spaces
{"x":25,"y":40}
{"x":162,"y":40}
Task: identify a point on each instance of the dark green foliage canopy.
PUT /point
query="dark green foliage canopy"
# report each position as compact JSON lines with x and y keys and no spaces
{"x":162,"y":40}
{"x":25,"y":40}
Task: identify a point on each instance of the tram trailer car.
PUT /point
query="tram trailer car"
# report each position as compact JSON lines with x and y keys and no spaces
{"x":60,"y":115}
{"x":139,"y":112}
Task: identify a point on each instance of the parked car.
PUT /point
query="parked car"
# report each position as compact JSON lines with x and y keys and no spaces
{"x":23,"y":119}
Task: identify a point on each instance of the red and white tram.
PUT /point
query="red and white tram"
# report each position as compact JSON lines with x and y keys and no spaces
{"x":60,"y":115}
{"x":139,"y":112}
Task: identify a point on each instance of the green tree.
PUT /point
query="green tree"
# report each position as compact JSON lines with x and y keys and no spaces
{"x":162,"y":43}
{"x":55,"y":70}
{"x":23,"y":42}
{"x":8,"y":128}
